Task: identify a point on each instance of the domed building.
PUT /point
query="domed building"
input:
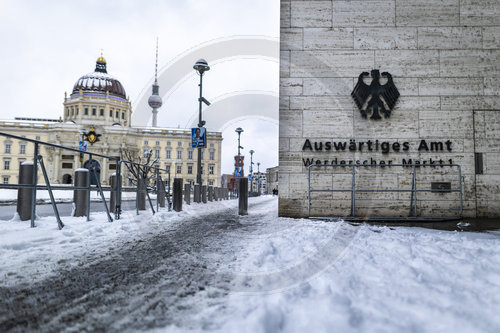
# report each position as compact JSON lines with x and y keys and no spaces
{"x":98,"y":99}
{"x":98,"y":102}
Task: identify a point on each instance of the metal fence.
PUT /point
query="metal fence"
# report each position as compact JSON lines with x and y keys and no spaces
{"x":159,"y":184}
{"x":413,"y":214}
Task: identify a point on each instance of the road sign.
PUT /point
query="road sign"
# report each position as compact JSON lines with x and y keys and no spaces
{"x":82,"y":146}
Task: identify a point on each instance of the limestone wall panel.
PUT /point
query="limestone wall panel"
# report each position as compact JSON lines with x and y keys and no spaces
{"x":328,"y":38}
{"x":358,"y":13}
{"x":385,"y":38}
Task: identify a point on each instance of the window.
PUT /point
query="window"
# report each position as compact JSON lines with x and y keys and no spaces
{"x":167,"y":167}
{"x":145,"y":152}
{"x":5,"y":180}
{"x":168,"y":143}
{"x":179,"y":143}
{"x":67,"y":157}
{"x":76,"y":109}
{"x":37,"y":137}
{"x":111,"y":113}
{"x":211,"y":145}
{"x":112,"y":166}
{"x":22,"y":148}
{"x":67,"y":165}
{"x":67,"y":112}
{"x":168,"y":153}
{"x":7,"y":148}
{"x":101,"y":112}
{"x":157,"y":143}
{"x":146,"y":142}
{"x":212,"y":155}
{"x":94,"y":111}
{"x":116,"y":114}
{"x":6,"y":164}
{"x":211,"y":169}
{"x":211,"y":182}
{"x":157,"y":153}
{"x":179,"y":168}
{"x":190,"y":169}
{"x":123,"y":115}
{"x":179,"y":154}
{"x":86,"y":111}
{"x":190,"y":154}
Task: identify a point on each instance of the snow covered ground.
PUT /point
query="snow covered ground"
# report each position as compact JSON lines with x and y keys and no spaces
{"x":207,"y":269}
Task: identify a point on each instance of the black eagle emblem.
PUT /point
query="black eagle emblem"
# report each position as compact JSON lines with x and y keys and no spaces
{"x":375,"y":97}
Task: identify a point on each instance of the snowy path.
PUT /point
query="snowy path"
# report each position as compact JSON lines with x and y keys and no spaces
{"x":206,"y":269}
{"x":145,"y":283}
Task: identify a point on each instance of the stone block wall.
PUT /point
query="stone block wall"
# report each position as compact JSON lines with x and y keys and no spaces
{"x":444,"y":57}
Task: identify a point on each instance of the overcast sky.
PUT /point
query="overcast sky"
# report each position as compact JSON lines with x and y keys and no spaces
{"x":48,"y":45}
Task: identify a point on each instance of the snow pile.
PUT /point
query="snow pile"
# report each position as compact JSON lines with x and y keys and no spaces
{"x":386,"y":280}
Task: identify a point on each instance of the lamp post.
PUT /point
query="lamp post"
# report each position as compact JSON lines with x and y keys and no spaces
{"x":239,"y":130}
{"x":201,"y":66}
{"x":258,"y":178}
{"x":251,"y":170}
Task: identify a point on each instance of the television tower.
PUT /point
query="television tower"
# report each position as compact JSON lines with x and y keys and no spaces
{"x":154,"y":100}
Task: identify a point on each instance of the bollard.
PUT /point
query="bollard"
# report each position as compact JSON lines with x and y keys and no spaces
{"x":187,"y":193}
{"x":210,"y":193}
{"x":226,"y":197}
{"x":177,"y":195}
{"x":161,"y":194}
{"x":204,"y":193}
{"x":141,"y":194}
{"x":24,"y":195}
{"x":196,"y":193}
{"x":219,"y":189}
{"x":80,"y":196}
{"x":114,"y":193}
{"x":243,"y":196}
{"x":216,"y":198}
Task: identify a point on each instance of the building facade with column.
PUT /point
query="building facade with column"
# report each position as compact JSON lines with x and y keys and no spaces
{"x":98,"y":101}
{"x":368,"y":85}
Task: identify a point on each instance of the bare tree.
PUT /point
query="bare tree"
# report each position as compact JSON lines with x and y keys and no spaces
{"x":141,"y":167}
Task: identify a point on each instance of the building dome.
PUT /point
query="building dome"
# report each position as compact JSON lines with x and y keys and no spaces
{"x":99,"y":82}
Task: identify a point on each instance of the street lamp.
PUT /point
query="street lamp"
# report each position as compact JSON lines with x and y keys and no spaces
{"x":251,"y":170}
{"x":201,"y":66}
{"x":258,"y":178}
{"x":239,"y":130}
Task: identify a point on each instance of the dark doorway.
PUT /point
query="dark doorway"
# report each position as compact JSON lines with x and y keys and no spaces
{"x":67,"y":179}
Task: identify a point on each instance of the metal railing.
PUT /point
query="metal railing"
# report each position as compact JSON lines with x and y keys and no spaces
{"x":413,"y":215}
{"x":117,"y":190}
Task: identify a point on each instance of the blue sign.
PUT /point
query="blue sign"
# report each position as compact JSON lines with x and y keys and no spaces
{"x":82,"y":146}
{"x":198,"y":135}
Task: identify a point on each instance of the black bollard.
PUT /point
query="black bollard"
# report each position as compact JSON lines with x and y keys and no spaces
{"x":24,"y":195}
{"x":187,"y":193}
{"x":243,"y":196}
{"x":177,"y":195}
{"x":204,"y":193}
{"x":210,"y":193}
{"x":114,"y":193}
{"x":80,"y":196}
{"x":196,"y":193}
{"x":161,"y":194}
{"x":141,"y":194}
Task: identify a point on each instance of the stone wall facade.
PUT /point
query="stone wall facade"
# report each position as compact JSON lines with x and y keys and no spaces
{"x":444,"y":57}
